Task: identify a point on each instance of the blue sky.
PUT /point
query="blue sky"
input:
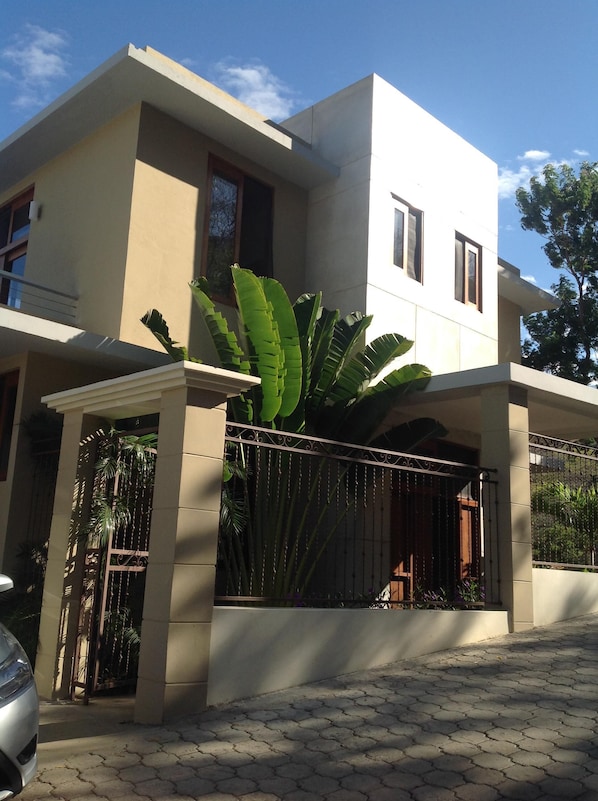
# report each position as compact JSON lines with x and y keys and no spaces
{"x":516,"y":78}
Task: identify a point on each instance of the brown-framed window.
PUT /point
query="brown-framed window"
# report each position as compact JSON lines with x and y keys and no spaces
{"x":238,"y":227}
{"x":407,"y":251}
{"x":9,"y":383}
{"x":468,"y":272}
{"x":14,"y":233}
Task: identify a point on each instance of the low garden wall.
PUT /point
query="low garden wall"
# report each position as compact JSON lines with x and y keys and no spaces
{"x":255,"y":651}
{"x":563,"y":594}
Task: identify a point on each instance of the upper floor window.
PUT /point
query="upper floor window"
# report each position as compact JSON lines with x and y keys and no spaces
{"x":408,"y":239}
{"x":14,"y":232}
{"x":239,"y":227}
{"x":8,"y":399}
{"x":468,"y":272}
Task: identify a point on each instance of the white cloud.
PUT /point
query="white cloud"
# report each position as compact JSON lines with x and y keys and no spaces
{"x":529,"y":278}
{"x":510,"y":180}
{"x":35,"y":62}
{"x":533,"y":163}
{"x":534,"y":155}
{"x":255,"y":85}
{"x":581,"y":153}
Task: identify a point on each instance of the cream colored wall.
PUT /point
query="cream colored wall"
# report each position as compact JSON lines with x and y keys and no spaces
{"x":165,"y":247}
{"x":79,"y":244}
{"x":385,"y":144}
{"x":290,"y":647}
{"x":509,"y":337}
{"x":39,"y":374}
{"x":563,"y":594}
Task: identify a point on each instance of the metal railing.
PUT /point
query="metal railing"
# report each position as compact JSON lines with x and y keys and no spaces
{"x":564,"y":501}
{"x":32,"y":298}
{"x":312,"y":522}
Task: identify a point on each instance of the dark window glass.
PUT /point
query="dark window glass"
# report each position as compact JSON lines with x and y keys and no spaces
{"x":239,"y":228}
{"x":8,"y":399}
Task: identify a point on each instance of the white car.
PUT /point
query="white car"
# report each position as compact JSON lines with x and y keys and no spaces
{"x":19,"y":713}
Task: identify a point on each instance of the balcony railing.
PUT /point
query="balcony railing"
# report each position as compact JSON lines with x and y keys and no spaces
{"x":36,"y":299}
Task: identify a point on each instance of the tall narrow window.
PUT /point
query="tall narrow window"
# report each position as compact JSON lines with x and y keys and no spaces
{"x":468,"y":272}
{"x":239,"y":227}
{"x":8,"y":400}
{"x":408,"y":239}
{"x":14,"y":232}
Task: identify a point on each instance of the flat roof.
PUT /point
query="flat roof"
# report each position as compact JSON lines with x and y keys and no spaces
{"x":135,"y":75}
{"x":522,"y":293}
{"x":557,"y":407}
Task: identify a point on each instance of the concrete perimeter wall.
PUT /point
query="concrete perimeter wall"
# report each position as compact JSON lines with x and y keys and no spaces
{"x":563,"y":594}
{"x":255,"y":651}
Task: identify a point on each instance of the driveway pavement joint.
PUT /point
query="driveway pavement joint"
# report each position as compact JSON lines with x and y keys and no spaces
{"x":510,"y":718}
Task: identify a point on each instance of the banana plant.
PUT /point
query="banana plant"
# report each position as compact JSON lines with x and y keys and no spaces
{"x":318,"y":377}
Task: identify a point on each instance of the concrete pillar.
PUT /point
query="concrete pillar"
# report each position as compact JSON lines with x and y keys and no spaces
{"x":62,"y":585}
{"x":179,"y":594}
{"x":505,"y":445}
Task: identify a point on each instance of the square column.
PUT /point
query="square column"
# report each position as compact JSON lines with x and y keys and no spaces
{"x":505,"y":446}
{"x":179,"y":594}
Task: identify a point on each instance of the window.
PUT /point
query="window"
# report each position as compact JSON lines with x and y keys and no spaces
{"x":8,"y":401}
{"x":14,"y":231}
{"x":408,"y":239}
{"x":239,"y":227}
{"x":468,"y":272}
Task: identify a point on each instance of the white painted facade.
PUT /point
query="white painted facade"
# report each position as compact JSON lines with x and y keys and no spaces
{"x":387,"y":147}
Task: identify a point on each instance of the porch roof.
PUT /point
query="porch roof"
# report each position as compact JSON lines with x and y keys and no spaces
{"x":557,"y":407}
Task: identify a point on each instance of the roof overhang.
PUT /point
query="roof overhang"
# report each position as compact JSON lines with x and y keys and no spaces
{"x":133,"y":76}
{"x":22,"y":333}
{"x":557,"y":407}
{"x":522,"y":293}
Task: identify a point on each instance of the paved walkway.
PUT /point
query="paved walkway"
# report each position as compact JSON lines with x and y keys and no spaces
{"x":516,"y":718}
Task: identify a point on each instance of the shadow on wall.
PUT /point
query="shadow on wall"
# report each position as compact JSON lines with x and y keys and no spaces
{"x":290,"y":647}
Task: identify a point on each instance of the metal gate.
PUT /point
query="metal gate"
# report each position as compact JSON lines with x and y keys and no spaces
{"x":117,"y":547}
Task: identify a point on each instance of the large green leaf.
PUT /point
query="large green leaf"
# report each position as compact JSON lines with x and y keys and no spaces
{"x":334,"y":350}
{"x":225,"y":341}
{"x":366,"y":415}
{"x":289,"y":340}
{"x":153,"y":320}
{"x":227,"y":347}
{"x":260,"y":327}
{"x":356,"y":375}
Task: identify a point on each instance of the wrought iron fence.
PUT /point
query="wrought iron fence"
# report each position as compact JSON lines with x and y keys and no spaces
{"x":564,"y":498}
{"x":312,"y":522}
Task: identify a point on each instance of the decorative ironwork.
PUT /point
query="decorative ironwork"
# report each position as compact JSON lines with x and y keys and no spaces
{"x":314,"y":522}
{"x":564,"y":502}
{"x":343,"y":451}
{"x":114,"y":577}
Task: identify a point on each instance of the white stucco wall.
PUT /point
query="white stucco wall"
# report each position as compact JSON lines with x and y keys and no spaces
{"x":255,"y":651}
{"x":386,"y":145}
{"x":563,"y":594}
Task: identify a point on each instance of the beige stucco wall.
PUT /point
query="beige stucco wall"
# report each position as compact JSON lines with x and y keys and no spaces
{"x":509,"y":337}
{"x":79,"y":244}
{"x":38,"y":375}
{"x":165,"y":246}
{"x":289,"y":647}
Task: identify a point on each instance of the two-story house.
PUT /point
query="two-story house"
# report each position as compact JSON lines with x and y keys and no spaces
{"x":144,"y":175}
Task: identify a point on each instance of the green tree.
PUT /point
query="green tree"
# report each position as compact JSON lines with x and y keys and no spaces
{"x":562,"y":206}
{"x":318,"y":377}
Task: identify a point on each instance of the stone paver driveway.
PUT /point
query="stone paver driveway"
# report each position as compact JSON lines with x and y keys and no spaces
{"x":512,"y":718}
